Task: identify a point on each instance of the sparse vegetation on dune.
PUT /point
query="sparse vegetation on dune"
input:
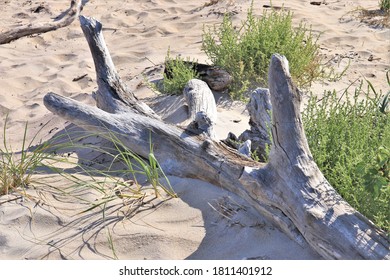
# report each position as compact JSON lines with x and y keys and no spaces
{"x":18,"y":170}
{"x":244,"y":51}
{"x":177,"y":74}
{"x":349,"y":138}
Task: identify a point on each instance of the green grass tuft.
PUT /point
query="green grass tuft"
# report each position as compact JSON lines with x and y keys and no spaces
{"x":384,"y":5}
{"x":18,"y":168}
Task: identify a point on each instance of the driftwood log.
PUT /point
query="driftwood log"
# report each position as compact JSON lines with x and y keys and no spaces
{"x":289,"y":190}
{"x":256,"y":140}
{"x":202,"y":108}
{"x":35,"y":28}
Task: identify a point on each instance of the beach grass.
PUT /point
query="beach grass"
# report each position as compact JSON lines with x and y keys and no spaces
{"x":17,"y":168}
{"x":113,"y":178}
{"x":384,"y":5}
{"x":117,"y":175}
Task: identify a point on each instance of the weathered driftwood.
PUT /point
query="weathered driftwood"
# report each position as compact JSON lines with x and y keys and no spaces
{"x":259,"y":108}
{"x":201,"y":107}
{"x":290,"y":190}
{"x":112,"y":95}
{"x":245,"y":148}
{"x":35,"y":28}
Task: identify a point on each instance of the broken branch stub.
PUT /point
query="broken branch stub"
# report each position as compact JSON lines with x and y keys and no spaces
{"x":36,"y":28}
{"x":259,"y":108}
{"x":290,"y":190}
{"x":201,"y":107}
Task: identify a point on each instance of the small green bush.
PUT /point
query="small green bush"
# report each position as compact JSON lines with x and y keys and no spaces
{"x":179,"y":74}
{"x":350,"y":141}
{"x":245,"y":51}
{"x":384,"y":5}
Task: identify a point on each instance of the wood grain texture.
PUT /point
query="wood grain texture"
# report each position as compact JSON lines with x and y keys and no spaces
{"x":290,"y":190}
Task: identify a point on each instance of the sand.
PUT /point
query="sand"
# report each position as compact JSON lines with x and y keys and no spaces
{"x":49,"y":225}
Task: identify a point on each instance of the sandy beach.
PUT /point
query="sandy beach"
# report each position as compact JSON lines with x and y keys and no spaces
{"x":47,"y":224}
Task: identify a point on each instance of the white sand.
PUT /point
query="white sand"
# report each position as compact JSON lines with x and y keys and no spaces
{"x":137,"y":34}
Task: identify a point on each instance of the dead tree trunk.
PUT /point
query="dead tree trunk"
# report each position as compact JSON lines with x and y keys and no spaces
{"x":290,"y":190}
{"x":10,"y":35}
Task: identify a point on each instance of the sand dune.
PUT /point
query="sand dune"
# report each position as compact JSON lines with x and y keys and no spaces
{"x":138,"y":35}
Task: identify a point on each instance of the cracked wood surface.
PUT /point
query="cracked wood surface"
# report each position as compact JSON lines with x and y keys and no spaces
{"x":290,"y":190}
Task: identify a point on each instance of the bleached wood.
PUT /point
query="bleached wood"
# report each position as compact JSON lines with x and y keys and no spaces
{"x":245,"y":148}
{"x":259,"y":108}
{"x":290,"y":190}
{"x":35,"y":28}
{"x":112,"y":95}
{"x":202,"y":109}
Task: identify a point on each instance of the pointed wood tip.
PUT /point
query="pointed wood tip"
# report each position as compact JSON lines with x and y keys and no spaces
{"x":90,"y":22}
{"x":280,"y":63}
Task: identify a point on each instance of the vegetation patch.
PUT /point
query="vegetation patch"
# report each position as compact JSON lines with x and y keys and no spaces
{"x":17,"y":168}
{"x":113,"y":178}
{"x":177,"y":74}
{"x":384,"y":5}
{"x":245,"y":51}
{"x":349,"y":138}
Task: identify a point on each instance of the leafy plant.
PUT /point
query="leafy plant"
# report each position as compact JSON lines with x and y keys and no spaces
{"x":245,"y":51}
{"x":349,"y":138}
{"x":177,"y":74}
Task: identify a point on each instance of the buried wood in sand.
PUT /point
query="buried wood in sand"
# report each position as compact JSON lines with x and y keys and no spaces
{"x":61,"y":21}
{"x":290,"y":190}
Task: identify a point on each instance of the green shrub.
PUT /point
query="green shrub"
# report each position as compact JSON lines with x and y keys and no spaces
{"x":245,"y":51}
{"x":350,"y":141}
{"x":384,"y":5}
{"x":177,"y":74}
